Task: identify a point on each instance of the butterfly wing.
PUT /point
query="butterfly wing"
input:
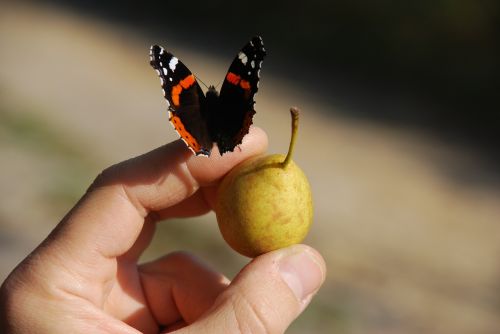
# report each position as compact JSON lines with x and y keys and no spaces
{"x":185,"y":100}
{"x":231,"y":122}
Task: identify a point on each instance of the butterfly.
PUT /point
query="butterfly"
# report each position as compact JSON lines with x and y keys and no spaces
{"x":203,"y":119}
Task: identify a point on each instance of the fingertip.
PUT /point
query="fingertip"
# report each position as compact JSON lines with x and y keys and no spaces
{"x":303,"y":269}
{"x":300,"y":267}
{"x":257,"y":136}
{"x":208,"y":170}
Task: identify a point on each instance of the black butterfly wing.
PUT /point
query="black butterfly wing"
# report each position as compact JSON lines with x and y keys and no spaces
{"x":185,"y":100}
{"x":232,"y":120}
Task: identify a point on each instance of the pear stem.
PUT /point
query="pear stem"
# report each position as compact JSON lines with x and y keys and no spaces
{"x":294,"y":111}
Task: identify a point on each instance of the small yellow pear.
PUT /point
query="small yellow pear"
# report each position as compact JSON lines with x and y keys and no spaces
{"x":265,"y":203}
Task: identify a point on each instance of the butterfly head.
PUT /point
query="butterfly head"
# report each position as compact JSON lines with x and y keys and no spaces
{"x":212,"y":91}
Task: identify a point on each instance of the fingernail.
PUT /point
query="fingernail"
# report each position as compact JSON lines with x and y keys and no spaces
{"x":301,"y":271}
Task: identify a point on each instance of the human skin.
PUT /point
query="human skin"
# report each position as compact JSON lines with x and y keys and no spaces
{"x":85,"y":276}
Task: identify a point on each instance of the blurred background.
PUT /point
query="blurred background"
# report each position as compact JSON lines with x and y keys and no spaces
{"x":399,"y":136}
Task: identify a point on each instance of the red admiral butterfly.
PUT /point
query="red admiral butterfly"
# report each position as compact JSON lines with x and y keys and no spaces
{"x":223,"y":118}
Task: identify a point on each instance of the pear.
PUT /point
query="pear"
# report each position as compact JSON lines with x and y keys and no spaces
{"x":265,"y":203}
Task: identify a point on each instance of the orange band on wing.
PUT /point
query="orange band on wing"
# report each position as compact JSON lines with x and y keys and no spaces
{"x":237,"y":80}
{"x":177,"y":89}
{"x":185,"y":135}
{"x":245,"y":84}
{"x":187,"y":82}
{"x":233,"y":78}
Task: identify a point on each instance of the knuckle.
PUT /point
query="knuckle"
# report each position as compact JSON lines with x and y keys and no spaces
{"x":104,"y":177}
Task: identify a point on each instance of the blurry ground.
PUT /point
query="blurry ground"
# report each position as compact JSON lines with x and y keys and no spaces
{"x":409,"y":226}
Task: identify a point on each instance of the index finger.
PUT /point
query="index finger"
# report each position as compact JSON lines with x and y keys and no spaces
{"x":109,"y":218}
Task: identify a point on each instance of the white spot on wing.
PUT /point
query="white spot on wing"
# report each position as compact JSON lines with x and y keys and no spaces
{"x":252,"y":63}
{"x":243,"y":57}
{"x":165,"y":71}
{"x":158,"y":72}
{"x":173,"y":63}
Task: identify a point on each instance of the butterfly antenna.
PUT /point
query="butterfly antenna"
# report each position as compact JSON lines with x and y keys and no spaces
{"x":198,"y":79}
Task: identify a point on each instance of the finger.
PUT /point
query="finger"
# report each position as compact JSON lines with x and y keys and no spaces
{"x":267,"y":295}
{"x":109,"y":218}
{"x":179,"y":288}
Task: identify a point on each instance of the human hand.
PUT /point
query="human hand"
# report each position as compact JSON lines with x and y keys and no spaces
{"x":85,"y":277}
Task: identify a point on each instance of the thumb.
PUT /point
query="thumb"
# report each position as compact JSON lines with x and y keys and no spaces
{"x":267,"y":295}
